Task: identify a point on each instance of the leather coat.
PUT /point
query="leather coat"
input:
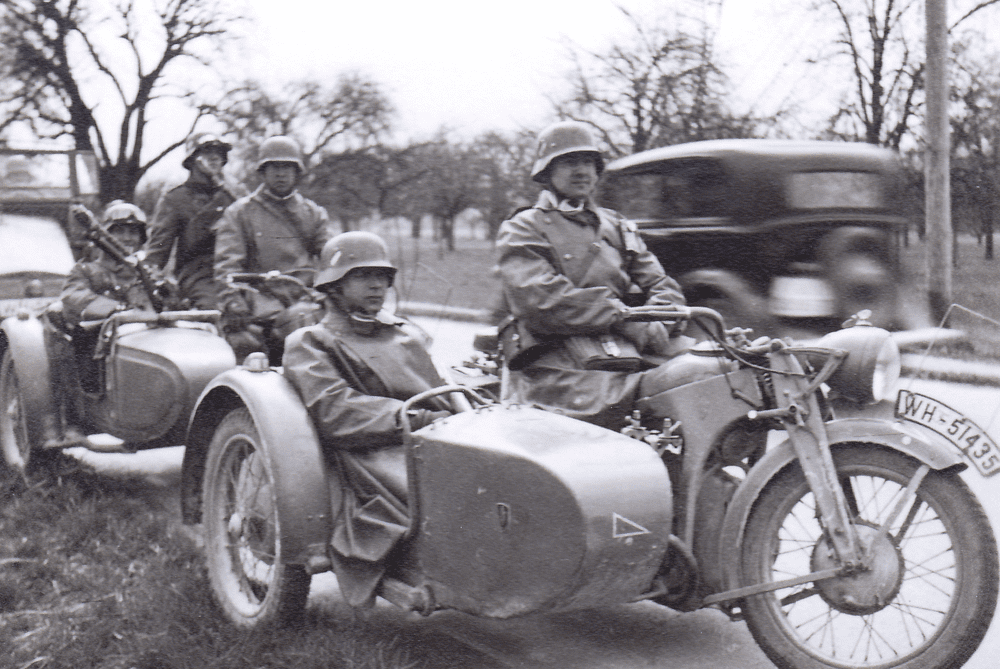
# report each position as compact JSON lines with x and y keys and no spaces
{"x":262,"y":232}
{"x":353,"y":376}
{"x":95,"y":289}
{"x":185,"y":217}
{"x":571,"y":273}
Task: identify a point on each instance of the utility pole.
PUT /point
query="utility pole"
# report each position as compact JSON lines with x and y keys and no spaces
{"x":937,"y":182}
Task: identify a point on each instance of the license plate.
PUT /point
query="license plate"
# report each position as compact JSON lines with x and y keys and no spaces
{"x":960,"y":431}
{"x":32,"y":305}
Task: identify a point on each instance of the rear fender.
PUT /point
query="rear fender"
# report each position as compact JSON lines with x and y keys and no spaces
{"x":25,"y":338}
{"x":290,"y":442}
{"x":894,"y":435}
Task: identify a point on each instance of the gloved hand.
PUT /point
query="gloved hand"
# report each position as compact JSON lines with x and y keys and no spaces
{"x":234,"y":303}
{"x":421,"y":417}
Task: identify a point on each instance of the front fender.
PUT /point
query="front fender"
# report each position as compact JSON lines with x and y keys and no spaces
{"x":894,"y":435}
{"x":290,"y":442}
{"x":25,"y":338}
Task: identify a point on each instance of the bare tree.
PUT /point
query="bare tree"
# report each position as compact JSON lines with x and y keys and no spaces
{"x":883,"y":42}
{"x":64,"y":58}
{"x":661,"y":87}
{"x":353,"y":114}
{"x":975,"y":125}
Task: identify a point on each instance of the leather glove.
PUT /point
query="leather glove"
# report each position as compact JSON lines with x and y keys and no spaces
{"x":234,"y":302}
{"x":421,"y":417}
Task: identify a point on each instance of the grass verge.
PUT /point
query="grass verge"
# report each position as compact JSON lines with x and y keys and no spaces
{"x":94,"y":574}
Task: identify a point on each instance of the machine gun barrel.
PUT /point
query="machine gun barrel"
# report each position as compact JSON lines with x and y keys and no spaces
{"x":107,"y":243}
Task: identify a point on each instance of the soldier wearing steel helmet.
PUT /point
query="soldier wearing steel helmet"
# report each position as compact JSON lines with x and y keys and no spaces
{"x":274,"y":229}
{"x":569,"y":271}
{"x":99,"y":286}
{"x":185,"y":217}
{"x":353,"y":371}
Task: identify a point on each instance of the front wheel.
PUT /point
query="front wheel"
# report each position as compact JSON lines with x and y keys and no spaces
{"x":928,"y":598}
{"x":250,"y":578}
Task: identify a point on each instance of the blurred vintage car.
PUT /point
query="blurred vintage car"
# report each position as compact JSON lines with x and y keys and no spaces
{"x":38,"y":238}
{"x":785,"y":237}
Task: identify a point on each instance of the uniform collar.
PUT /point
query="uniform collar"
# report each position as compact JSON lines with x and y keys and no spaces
{"x":548,"y":201}
{"x":264,"y":193}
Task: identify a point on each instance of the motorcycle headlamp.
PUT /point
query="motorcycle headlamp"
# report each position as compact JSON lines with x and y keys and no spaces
{"x":871,"y":368}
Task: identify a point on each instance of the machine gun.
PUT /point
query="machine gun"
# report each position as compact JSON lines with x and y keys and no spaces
{"x":105,"y":241}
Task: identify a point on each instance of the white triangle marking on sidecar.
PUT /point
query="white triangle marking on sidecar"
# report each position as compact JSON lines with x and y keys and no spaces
{"x":623,"y":527}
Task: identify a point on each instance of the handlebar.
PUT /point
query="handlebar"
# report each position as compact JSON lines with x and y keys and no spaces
{"x":673,"y":313}
{"x":161,"y":318}
{"x":475,"y":399}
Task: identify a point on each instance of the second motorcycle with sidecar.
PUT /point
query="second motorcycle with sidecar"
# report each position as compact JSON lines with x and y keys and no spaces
{"x":135,"y":375}
{"x":842,"y":542}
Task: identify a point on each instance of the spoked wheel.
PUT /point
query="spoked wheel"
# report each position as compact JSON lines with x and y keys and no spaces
{"x":925,"y":602}
{"x":14,"y":441}
{"x":250,"y":578}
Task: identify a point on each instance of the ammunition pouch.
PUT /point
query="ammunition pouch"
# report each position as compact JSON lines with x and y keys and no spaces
{"x":606,"y":353}
{"x":519,"y":347}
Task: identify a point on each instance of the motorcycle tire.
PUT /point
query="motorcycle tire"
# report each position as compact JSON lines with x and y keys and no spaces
{"x":926,"y":604}
{"x":251,"y":581}
{"x":15,"y":445}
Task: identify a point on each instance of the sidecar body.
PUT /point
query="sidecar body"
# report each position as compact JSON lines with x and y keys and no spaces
{"x":136,"y":379}
{"x":511,"y":510}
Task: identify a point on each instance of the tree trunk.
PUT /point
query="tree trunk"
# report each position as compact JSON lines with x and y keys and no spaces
{"x":988,"y":233}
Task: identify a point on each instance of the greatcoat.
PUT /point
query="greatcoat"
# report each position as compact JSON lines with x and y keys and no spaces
{"x":184,"y":220}
{"x":353,"y":377}
{"x":570,"y":271}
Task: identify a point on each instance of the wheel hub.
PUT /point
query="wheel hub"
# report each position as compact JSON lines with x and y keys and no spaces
{"x":870,"y":589}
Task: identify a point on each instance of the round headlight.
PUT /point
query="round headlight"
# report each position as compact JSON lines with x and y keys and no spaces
{"x":871,"y":368}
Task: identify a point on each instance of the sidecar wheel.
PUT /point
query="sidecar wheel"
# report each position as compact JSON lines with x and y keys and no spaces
{"x":251,"y":580}
{"x":15,"y":445}
{"x":928,"y":599}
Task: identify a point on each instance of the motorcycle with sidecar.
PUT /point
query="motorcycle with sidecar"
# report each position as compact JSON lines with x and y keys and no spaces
{"x":135,"y":376}
{"x":842,"y":542}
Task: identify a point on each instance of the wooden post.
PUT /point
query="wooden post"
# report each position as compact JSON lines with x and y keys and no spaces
{"x":936,"y":162}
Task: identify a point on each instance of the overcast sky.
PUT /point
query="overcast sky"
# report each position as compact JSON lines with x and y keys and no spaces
{"x":477,"y":66}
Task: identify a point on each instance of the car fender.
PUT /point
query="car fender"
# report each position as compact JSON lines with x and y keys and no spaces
{"x":291,"y":445}
{"x":25,"y":338}
{"x":889,"y":434}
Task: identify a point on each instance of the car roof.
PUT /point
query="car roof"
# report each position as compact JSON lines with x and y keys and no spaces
{"x":749,"y":152}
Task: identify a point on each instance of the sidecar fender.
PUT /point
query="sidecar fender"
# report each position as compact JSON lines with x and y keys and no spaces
{"x":895,"y":435}
{"x":290,"y":442}
{"x":25,"y":338}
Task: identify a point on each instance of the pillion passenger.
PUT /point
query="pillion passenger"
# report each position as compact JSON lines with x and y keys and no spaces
{"x":184,"y":220}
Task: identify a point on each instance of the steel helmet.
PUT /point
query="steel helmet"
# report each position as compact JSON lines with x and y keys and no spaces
{"x":351,"y":250}
{"x":201,"y":141}
{"x":559,"y":139}
{"x":120,"y":212}
{"x":280,"y":149}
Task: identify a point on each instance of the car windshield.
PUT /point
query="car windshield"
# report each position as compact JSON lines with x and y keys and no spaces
{"x":33,"y":244}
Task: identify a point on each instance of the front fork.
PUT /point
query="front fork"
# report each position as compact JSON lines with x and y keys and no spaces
{"x":799,"y":411}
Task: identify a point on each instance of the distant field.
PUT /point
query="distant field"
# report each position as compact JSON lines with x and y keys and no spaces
{"x":466,"y":278}
{"x":975,"y":288}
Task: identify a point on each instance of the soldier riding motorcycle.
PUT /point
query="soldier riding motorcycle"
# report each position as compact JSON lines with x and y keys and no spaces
{"x":842,"y":542}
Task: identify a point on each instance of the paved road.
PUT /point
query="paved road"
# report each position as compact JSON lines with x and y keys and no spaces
{"x":624,"y":637}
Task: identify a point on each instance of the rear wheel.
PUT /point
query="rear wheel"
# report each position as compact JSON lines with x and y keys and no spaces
{"x":250,"y":577}
{"x":14,"y":441}
{"x":928,"y":598}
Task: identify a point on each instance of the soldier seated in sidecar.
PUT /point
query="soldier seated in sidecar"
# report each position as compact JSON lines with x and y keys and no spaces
{"x":353,"y":371}
{"x":112,"y":356}
{"x":97,"y":286}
